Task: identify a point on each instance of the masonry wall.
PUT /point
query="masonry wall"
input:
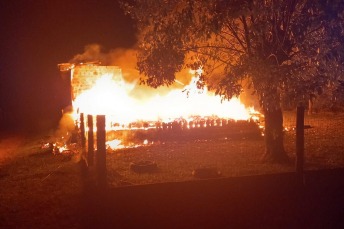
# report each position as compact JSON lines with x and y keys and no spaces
{"x":84,"y":77}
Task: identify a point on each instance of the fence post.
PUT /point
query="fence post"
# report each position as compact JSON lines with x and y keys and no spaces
{"x":101,"y":150}
{"x":300,"y":118}
{"x":90,"y":151}
{"x":82,"y":130}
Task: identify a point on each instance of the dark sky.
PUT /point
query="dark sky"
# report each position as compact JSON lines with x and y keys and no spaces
{"x":36,"y":35}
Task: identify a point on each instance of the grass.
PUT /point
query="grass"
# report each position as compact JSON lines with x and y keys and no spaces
{"x":42,"y":190}
{"x":38,"y":189}
{"x":324,"y":141}
{"x":232,"y":157}
{"x":177,"y":160}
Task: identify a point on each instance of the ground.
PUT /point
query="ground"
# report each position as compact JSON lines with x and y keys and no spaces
{"x":37,"y":189}
{"x":176,"y":160}
{"x":42,"y":190}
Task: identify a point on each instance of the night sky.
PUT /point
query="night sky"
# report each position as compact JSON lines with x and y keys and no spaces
{"x":36,"y":35}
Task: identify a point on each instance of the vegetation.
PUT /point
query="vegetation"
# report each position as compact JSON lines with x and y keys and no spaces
{"x":281,"y":50}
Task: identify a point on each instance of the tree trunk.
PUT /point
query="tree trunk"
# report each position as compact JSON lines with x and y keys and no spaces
{"x":310,"y":105}
{"x":274,"y":149}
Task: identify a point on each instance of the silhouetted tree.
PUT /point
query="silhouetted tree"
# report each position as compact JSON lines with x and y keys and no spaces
{"x":280,"y":47}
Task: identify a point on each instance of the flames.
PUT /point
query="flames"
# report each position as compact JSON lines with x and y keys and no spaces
{"x":111,"y":98}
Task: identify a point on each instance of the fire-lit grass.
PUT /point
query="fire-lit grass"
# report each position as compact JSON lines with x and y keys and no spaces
{"x":42,"y":190}
{"x":38,"y":189}
{"x":232,"y":157}
{"x":177,"y":160}
{"x":324,"y":139}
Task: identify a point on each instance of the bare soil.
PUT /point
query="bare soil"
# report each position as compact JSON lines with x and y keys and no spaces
{"x":42,"y":190}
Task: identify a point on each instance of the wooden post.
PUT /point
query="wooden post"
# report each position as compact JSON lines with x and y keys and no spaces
{"x":185,"y":125}
{"x":300,"y":126}
{"x":218,"y":122}
{"x":310,"y":106}
{"x":208,"y":123}
{"x":90,"y":151}
{"x":82,"y":130}
{"x":101,"y":150}
{"x":191,"y":123}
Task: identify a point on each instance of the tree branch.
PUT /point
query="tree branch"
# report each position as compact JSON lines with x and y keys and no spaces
{"x":213,"y":47}
{"x":236,"y":36}
{"x":212,"y":56}
{"x":247,"y":37}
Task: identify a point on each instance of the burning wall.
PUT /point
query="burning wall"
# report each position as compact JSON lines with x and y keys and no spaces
{"x":84,"y":77}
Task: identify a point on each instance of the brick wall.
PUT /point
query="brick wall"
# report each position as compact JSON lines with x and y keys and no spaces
{"x":84,"y":77}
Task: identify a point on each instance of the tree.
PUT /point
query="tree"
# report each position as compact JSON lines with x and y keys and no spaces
{"x":282,"y":48}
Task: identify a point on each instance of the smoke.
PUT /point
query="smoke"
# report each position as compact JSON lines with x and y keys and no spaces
{"x":66,"y":124}
{"x":126,"y":60}
{"x":92,"y":53}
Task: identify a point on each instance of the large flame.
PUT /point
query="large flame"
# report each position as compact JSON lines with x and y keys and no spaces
{"x":109,"y":98}
{"x":112,"y":99}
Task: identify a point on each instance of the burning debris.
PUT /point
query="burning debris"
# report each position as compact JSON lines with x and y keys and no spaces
{"x":62,"y":147}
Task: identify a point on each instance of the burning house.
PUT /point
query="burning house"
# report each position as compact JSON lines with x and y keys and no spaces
{"x":100,"y":90}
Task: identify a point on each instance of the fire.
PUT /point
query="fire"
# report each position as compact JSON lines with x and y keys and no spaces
{"x":118,"y":144}
{"x":111,"y":97}
{"x":115,"y":144}
{"x":107,"y":97}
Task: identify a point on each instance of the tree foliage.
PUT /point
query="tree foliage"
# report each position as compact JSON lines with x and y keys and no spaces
{"x":281,"y":49}
{"x":286,"y":48}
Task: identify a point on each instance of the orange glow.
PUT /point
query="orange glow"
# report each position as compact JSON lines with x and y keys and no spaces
{"x":112,"y":98}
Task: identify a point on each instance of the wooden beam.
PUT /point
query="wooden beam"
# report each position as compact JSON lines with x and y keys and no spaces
{"x":101,"y":150}
{"x":82,"y":130}
{"x":90,"y":151}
